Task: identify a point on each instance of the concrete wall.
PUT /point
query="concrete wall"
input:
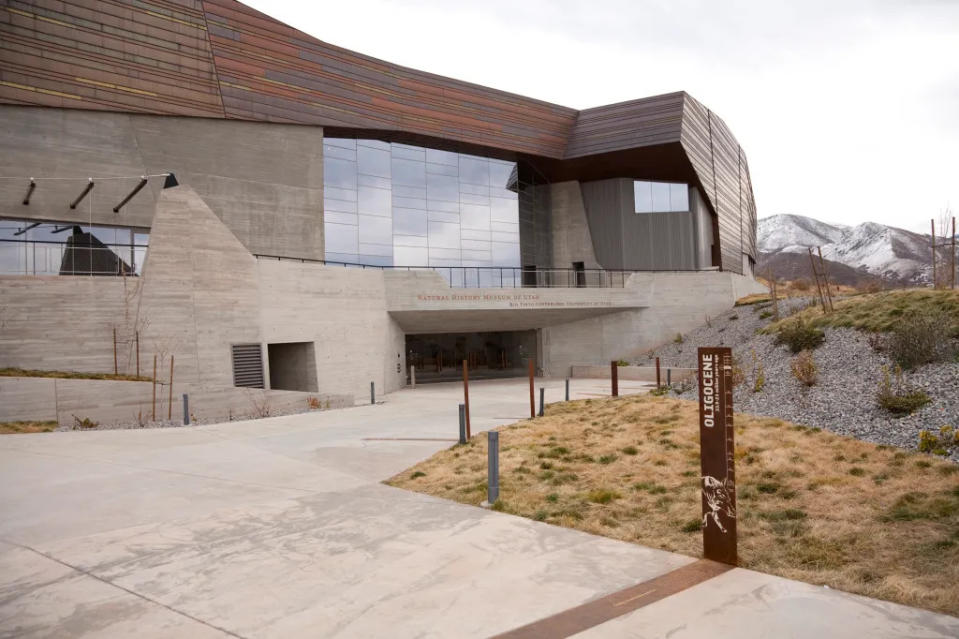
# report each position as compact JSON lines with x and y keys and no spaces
{"x":671,"y":303}
{"x":569,"y":228}
{"x":633,"y":373}
{"x":265,"y":181}
{"x":110,"y":402}
{"x":292,"y":366}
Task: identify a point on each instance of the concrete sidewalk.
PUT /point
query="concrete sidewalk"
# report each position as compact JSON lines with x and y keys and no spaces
{"x":281,"y":528}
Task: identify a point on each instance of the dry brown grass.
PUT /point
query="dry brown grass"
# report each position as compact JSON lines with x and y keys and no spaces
{"x":812,"y":505}
{"x":12,"y":428}
{"x":27,"y":372}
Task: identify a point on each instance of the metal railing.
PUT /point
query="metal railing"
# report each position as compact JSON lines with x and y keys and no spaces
{"x":44,"y":257}
{"x":496,"y":276}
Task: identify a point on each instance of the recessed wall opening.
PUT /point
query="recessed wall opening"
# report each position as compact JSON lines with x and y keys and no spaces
{"x":438,"y":357}
{"x":293,"y":366}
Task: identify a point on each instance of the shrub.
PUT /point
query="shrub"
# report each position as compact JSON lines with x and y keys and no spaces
{"x":938,"y":444}
{"x":84,"y":423}
{"x":801,"y":284}
{"x":760,"y":380}
{"x":920,"y":337}
{"x":602,"y":496}
{"x":804,"y":368}
{"x":313,"y":403}
{"x":678,"y":339}
{"x":738,"y":375}
{"x":660,"y":391}
{"x":900,"y":400}
{"x":733,"y":317}
{"x":765,"y":314}
{"x":800,"y":336}
{"x":622,"y":362}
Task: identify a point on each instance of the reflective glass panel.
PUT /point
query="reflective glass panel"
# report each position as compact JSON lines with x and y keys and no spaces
{"x":415,"y":206}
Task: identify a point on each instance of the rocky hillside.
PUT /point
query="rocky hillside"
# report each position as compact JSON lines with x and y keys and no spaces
{"x":850,"y":368}
{"x":854,"y":253}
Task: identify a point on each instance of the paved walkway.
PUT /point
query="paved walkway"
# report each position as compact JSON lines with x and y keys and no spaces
{"x":281,"y":528}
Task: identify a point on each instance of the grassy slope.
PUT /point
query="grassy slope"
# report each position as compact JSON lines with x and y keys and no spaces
{"x":10,"y":428}
{"x":812,"y":505}
{"x":880,"y":311}
{"x":23,"y":372}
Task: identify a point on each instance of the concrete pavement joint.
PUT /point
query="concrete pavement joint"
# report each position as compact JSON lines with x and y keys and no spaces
{"x":87,"y":573}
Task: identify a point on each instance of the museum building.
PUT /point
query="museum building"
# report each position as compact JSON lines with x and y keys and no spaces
{"x":194,"y":180}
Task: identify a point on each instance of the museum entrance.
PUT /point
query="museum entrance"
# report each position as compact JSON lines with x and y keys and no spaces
{"x":438,"y":357}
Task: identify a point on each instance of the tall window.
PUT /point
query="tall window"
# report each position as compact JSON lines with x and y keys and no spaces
{"x":660,"y":197}
{"x":389,"y":204}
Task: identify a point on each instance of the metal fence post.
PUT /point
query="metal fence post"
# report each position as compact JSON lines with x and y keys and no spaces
{"x":493,"y":482}
{"x":186,"y":409}
{"x":372,"y":393}
{"x":462,"y":423}
{"x":542,"y":401}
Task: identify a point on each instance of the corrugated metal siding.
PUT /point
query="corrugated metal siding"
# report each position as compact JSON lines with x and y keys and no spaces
{"x":721,"y":167}
{"x":152,"y":57}
{"x":627,"y":125}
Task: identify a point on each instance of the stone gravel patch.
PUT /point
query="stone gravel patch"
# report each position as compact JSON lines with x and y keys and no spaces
{"x":844,"y":399}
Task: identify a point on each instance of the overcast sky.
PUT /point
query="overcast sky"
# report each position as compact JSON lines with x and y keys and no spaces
{"x":848,"y":110}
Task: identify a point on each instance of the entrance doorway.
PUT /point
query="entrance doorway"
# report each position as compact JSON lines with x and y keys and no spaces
{"x":438,"y":357}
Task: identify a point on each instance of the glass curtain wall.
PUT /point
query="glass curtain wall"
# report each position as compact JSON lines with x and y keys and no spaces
{"x":28,"y":248}
{"x":660,"y":197}
{"x":390,"y":204}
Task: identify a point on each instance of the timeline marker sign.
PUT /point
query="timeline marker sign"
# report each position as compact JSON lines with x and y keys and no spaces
{"x":717,"y":454}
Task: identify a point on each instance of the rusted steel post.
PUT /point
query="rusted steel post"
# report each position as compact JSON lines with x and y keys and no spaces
{"x":169,"y":408}
{"x":614,"y":377}
{"x":657,"y":373}
{"x":466,"y":398}
{"x":717,"y":462}
{"x":115,"y":350}
{"x":935,"y":282}
{"x":153,"y":412}
{"x":532,"y":401}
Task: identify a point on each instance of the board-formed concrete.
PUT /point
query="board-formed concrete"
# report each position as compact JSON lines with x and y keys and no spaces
{"x":274,"y":205}
{"x":281,"y":528}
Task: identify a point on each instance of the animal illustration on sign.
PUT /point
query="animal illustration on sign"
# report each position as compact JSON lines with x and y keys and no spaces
{"x":718,"y":496}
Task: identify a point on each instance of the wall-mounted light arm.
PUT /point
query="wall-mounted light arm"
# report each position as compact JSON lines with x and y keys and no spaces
{"x":136,"y":189}
{"x":27,"y":228}
{"x":30,"y":189}
{"x":86,"y":189}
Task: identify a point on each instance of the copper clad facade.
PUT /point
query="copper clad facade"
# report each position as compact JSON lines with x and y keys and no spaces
{"x":222,"y":59}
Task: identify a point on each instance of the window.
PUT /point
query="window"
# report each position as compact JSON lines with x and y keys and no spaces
{"x":28,"y":247}
{"x":401,"y":205}
{"x":660,"y":197}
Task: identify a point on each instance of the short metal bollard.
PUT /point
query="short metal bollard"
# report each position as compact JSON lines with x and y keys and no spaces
{"x":669,"y":377}
{"x":462,"y":423}
{"x":372,"y":393}
{"x":413,"y":376}
{"x":186,"y":409}
{"x":542,"y":401}
{"x":567,"y":389}
{"x":493,"y":482}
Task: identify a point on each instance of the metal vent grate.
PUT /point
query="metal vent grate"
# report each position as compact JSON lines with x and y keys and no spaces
{"x":248,"y":365}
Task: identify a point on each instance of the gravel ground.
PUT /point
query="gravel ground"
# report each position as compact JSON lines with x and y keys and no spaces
{"x":843,"y":400}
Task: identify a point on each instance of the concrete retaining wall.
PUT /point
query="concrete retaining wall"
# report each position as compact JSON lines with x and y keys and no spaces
{"x":631,"y":373}
{"x":114,"y":402}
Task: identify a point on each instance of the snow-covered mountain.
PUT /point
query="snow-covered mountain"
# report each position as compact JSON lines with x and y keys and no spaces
{"x":869,"y":248}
